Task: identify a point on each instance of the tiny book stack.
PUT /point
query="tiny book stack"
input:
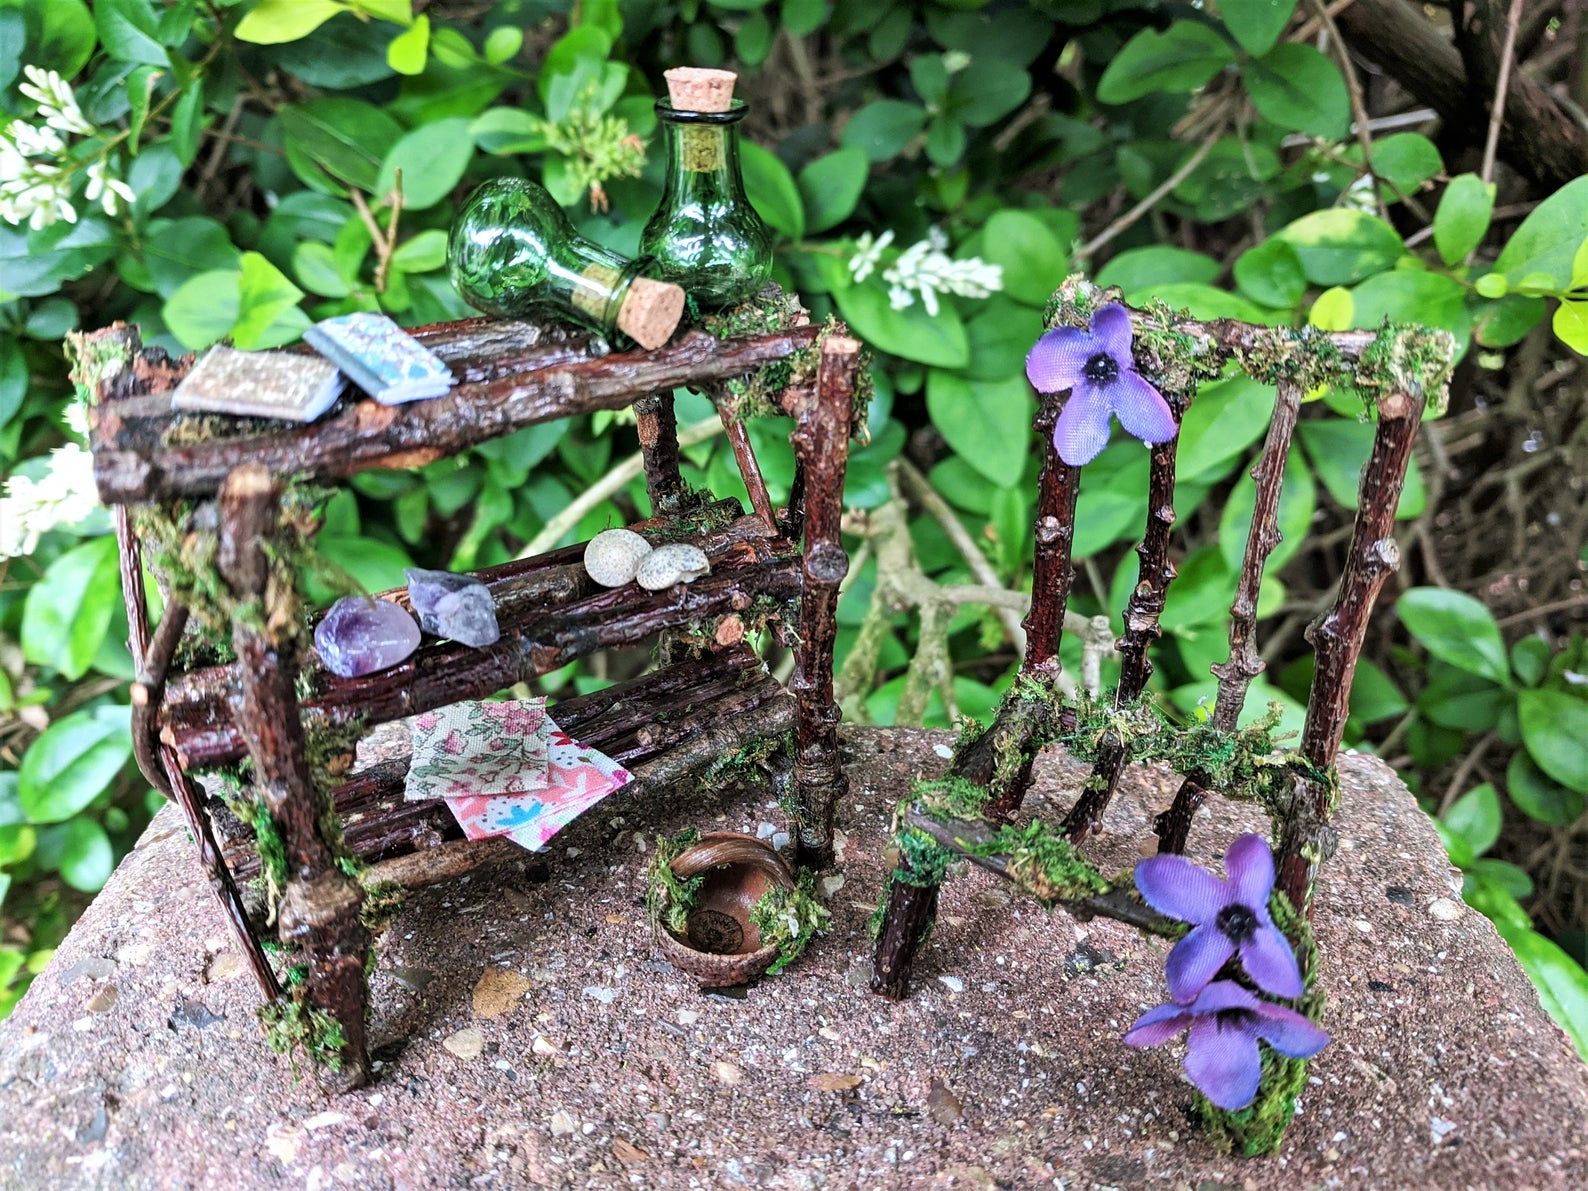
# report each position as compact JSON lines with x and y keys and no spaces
{"x":380,"y":357}
{"x":286,"y":385}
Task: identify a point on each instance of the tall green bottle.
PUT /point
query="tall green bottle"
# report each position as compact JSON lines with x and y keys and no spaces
{"x":513,"y":252}
{"x":705,"y":235}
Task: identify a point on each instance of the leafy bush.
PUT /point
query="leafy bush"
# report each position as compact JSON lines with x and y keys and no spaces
{"x":235,"y":170}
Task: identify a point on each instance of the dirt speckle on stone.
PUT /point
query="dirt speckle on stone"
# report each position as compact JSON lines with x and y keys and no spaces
{"x":608,"y":1068}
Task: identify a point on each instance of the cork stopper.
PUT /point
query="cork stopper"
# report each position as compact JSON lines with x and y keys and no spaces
{"x":700,"y":89}
{"x":650,"y":312}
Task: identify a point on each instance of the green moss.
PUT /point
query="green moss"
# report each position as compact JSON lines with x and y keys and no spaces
{"x":950,"y":797}
{"x":668,"y":898}
{"x":746,"y":766}
{"x":789,"y":918}
{"x":292,"y":1027}
{"x":1044,"y":863}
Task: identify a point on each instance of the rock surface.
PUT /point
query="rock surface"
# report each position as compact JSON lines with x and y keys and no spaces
{"x":528,"y":1035}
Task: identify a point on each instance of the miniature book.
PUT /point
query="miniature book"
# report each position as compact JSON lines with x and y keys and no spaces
{"x":264,"y":384}
{"x":380,"y":357}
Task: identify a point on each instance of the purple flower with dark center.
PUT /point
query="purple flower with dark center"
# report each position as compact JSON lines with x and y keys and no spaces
{"x":1226,"y":1022}
{"x":1098,"y":369}
{"x":1229,"y":917}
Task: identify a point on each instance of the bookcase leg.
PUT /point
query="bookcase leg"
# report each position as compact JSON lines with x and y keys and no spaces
{"x":821,"y":442}
{"x":318,"y":915}
{"x":658,"y":427}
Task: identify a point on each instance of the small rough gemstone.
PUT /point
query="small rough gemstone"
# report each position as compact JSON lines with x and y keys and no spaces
{"x":360,"y":635}
{"x":458,"y":607}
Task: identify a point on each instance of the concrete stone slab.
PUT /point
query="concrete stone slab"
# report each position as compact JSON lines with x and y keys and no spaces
{"x":529,"y":1036}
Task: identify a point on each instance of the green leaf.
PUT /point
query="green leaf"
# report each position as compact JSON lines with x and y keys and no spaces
{"x":1135,"y":270}
{"x":72,"y":760}
{"x":1226,"y":418}
{"x":1555,"y":730}
{"x":1033,"y":257}
{"x":831,"y":186}
{"x":1463,"y":217}
{"x":85,"y":857}
{"x":1475,"y":817}
{"x":1340,"y":245}
{"x":508,"y":130}
{"x":1181,"y":58}
{"x":1271,"y":273}
{"x":129,"y":31}
{"x":1338,"y":450}
{"x":986,"y":90}
{"x":335,"y":142}
{"x":1455,"y":628}
{"x":203,"y":308}
{"x":1561,"y":983}
{"x":1549,"y":238}
{"x":1256,"y":24}
{"x":911,"y":333}
{"x":60,"y":34}
{"x":176,"y":249}
{"x":1406,"y":160}
{"x":432,"y":159}
{"x":987,"y":423}
{"x":1207,"y":301}
{"x":315,"y":266}
{"x":271,"y":22}
{"x":267,"y":306}
{"x":407,"y":52}
{"x":68,"y":611}
{"x":771,"y":189}
{"x":1412,"y":296}
{"x":1571,"y":326}
{"x":930,"y":77}
{"x":13,"y":379}
{"x":1539,"y":796}
{"x":883,"y":128}
{"x":422,"y":253}
{"x":1297,"y":87}
{"x":1298,"y":501}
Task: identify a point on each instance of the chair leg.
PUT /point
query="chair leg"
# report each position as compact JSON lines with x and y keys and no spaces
{"x":658,"y":428}
{"x":906,"y":922}
{"x":319,"y":912}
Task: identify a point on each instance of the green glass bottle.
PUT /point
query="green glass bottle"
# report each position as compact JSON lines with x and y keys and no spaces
{"x":513,"y":252}
{"x":705,"y":235}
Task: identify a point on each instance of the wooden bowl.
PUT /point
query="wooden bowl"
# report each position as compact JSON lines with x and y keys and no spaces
{"x":720,"y":946}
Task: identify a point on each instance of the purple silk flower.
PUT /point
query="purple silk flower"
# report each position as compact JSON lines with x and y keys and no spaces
{"x":1100,"y":372}
{"x":1229,"y":917}
{"x":1226,"y":1022}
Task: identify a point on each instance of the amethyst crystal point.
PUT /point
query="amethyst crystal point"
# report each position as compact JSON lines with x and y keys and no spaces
{"x":361,"y":635}
{"x":1098,"y":369}
{"x":1226,"y":1022}
{"x":1229,"y":917}
{"x":458,"y":607}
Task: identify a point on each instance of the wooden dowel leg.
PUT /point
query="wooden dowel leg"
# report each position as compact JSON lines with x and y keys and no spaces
{"x":905,"y":924}
{"x":658,"y":428}
{"x":318,"y":915}
{"x":821,"y":439}
{"x":1337,"y":639}
{"x":749,"y":469}
{"x":1053,"y":570}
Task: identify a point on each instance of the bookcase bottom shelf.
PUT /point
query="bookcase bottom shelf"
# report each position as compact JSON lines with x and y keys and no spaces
{"x":688,"y":719}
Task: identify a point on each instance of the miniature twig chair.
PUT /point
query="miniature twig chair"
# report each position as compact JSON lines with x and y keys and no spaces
{"x":222,"y":510}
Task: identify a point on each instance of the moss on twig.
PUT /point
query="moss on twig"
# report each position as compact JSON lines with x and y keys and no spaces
{"x":668,"y":898}
{"x":292,"y":1027}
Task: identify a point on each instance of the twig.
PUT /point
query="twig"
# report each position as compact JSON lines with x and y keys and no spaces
{"x":573,"y":512}
{"x":1491,"y":144}
{"x":1158,"y":194}
{"x":1353,"y":86}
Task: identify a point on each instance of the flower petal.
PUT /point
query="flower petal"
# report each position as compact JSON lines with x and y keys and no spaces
{"x":1271,"y":963}
{"x":1249,"y":868}
{"x":1221,"y":995}
{"x":1055,"y":362}
{"x":1174,"y":886}
{"x":1290,"y":1033}
{"x":1141,"y":409}
{"x":1082,"y":429}
{"x":1195,"y":960}
{"x":1222,"y":1060}
{"x":1157,"y":1026}
{"x":1111,"y":328}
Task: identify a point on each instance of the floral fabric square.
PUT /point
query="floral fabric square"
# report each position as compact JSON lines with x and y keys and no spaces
{"x":470,"y":749}
{"x":578,"y":777}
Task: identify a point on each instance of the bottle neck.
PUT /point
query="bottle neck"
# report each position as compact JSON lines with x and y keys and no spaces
{"x":702,"y":153}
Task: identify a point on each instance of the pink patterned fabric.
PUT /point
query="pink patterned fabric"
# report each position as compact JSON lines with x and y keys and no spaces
{"x":474,"y":748}
{"x":488,"y":802}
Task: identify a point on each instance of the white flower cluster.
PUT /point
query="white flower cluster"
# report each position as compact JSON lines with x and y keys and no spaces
{"x":925,"y":268}
{"x":36,"y":170}
{"x":63,"y":495}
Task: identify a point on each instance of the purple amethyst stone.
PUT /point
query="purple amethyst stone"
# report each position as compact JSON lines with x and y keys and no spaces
{"x":459,"y":607}
{"x":360,"y":635}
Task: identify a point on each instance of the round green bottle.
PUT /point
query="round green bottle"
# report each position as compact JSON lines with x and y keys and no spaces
{"x":705,"y":235}
{"x":513,"y":252}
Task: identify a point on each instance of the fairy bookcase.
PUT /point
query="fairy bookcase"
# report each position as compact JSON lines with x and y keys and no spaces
{"x":303,"y":853}
{"x":968,"y":815}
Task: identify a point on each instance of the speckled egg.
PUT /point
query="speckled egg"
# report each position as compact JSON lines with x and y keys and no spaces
{"x":614,"y":555}
{"x":667,"y":565}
